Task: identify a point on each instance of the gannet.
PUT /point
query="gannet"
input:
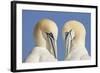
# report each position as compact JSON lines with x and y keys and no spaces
{"x":45,"y":35}
{"x":74,"y":34}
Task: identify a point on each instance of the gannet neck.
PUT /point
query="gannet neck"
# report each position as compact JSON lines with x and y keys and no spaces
{"x":78,"y":44}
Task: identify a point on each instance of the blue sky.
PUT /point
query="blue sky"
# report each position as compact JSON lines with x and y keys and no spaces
{"x":31,"y":17}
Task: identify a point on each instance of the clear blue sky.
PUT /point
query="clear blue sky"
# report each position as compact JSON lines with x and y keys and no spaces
{"x":30,"y":18}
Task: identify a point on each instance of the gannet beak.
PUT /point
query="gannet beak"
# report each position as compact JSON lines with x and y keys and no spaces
{"x":52,"y":43}
{"x":68,"y":38}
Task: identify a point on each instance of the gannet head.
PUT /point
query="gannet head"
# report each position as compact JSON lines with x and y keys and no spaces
{"x":46,"y":33}
{"x":73,"y":34}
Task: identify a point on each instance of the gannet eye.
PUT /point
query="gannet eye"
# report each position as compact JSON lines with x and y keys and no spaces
{"x":50,"y":35}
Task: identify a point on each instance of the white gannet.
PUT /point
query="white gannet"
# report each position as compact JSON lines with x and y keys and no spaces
{"x":74,"y":34}
{"x":45,"y":35}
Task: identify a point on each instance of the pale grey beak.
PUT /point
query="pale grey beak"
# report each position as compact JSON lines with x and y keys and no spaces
{"x":68,"y":39}
{"x":53,"y":44}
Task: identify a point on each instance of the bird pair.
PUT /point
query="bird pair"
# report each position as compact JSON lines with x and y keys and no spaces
{"x":46,"y":33}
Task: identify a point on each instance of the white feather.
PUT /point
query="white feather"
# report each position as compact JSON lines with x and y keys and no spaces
{"x":40,"y":54}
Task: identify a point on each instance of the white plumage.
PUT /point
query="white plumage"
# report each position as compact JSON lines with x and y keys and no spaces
{"x":45,"y":34}
{"x":40,"y":54}
{"x":74,"y":36}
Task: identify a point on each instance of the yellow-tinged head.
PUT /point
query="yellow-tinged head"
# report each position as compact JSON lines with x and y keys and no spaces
{"x":77,"y":29}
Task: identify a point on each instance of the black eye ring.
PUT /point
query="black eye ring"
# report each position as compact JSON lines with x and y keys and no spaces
{"x":50,"y":35}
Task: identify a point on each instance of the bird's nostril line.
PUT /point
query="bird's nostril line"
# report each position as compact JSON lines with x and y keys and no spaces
{"x":66,"y":34}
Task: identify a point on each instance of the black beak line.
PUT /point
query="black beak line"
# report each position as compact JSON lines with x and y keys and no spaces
{"x":51,"y":37}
